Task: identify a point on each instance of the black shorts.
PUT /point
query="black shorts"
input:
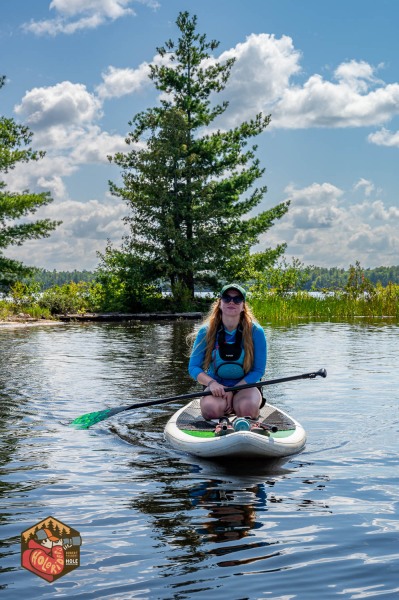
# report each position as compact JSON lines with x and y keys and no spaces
{"x":262,"y":404}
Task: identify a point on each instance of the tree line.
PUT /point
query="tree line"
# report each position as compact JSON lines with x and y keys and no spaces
{"x":318,"y":278}
{"x":336,"y":279}
{"x":47,"y":279}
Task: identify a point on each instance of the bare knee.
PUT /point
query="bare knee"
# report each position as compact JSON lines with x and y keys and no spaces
{"x":211,"y":408}
{"x":248,"y":405}
{"x":247,"y":410}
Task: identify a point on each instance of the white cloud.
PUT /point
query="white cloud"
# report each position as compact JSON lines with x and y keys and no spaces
{"x":54,"y":185}
{"x":62,"y":118}
{"x":75,"y":15}
{"x":313,"y":194}
{"x":113,"y":9}
{"x":119,"y":82}
{"x":324,"y":227}
{"x":357,"y":75}
{"x":379,"y":212}
{"x":320,"y":103}
{"x":265,"y":79}
{"x":74,"y":244}
{"x":63,"y":104}
{"x":316,"y":206}
{"x":374,"y":244}
{"x":28,"y":175}
{"x":262,"y":71}
{"x":80,"y":148}
{"x":95,"y":146}
{"x":366,"y":185}
{"x":385,"y":138}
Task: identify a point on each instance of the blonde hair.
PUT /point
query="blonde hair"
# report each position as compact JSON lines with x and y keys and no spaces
{"x":214,"y":321}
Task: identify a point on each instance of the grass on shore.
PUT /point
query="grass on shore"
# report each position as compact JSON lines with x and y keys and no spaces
{"x":339,"y":305}
{"x":12,"y":312}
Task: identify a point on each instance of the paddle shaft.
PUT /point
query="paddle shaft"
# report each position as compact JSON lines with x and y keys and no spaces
{"x":85,"y":421}
{"x":244,"y":386}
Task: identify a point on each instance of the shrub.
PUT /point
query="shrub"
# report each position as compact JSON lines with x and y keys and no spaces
{"x":23,"y":295}
{"x":69,"y":298}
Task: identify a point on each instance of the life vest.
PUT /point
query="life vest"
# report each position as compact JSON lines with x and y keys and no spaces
{"x":228,"y":357}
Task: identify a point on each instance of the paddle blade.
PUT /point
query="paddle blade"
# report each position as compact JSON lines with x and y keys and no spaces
{"x":89,"y":419}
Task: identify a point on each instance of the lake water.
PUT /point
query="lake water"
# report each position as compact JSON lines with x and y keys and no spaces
{"x":157,"y":524}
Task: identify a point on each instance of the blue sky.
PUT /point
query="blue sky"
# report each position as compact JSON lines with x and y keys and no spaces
{"x":327,"y":72}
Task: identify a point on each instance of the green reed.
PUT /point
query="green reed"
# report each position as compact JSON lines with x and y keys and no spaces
{"x":379,"y":302}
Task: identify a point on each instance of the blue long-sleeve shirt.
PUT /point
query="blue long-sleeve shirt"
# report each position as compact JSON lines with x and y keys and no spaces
{"x":196,"y":362}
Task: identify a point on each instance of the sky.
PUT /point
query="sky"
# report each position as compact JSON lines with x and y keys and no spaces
{"x":327,"y":73}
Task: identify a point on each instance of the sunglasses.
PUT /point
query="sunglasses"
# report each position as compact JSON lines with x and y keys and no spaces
{"x":236,"y":299}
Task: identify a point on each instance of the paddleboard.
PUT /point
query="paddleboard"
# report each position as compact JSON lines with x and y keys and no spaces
{"x":188,"y":431}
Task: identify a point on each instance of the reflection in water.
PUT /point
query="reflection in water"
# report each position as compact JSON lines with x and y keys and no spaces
{"x":232,"y":512}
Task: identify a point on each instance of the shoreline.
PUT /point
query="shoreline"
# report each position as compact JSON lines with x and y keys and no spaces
{"x":27,"y":323}
{"x":147,"y":316}
{"x":15,"y":321}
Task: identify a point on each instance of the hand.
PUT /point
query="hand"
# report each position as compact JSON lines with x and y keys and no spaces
{"x":217,"y":389}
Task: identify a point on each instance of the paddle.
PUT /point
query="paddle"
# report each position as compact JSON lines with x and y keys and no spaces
{"x":85,"y":421}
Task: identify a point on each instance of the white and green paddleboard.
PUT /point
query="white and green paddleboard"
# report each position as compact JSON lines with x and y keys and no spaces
{"x":189,"y":432}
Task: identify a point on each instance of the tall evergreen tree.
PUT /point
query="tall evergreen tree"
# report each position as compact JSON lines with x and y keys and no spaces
{"x":15,"y":207}
{"x":190,"y":189}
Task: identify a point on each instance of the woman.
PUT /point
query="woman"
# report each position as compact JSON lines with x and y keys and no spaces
{"x":230,"y":349}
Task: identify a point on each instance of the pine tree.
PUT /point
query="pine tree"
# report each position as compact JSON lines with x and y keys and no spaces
{"x":15,"y":207}
{"x":190,"y":189}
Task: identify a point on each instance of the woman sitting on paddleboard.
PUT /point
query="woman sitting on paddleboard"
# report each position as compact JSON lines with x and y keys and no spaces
{"x":230,"y":349}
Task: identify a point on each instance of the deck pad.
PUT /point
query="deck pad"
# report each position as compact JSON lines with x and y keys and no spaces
{"x":191,"y":420}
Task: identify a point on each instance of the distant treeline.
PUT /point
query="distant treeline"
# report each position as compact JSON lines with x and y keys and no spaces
{"x":334,"y":278}
{"x":48,"y":279}
{"x":319,"y":277}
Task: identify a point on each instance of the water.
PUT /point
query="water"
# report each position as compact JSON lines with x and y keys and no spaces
{"x":157,"y":524}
